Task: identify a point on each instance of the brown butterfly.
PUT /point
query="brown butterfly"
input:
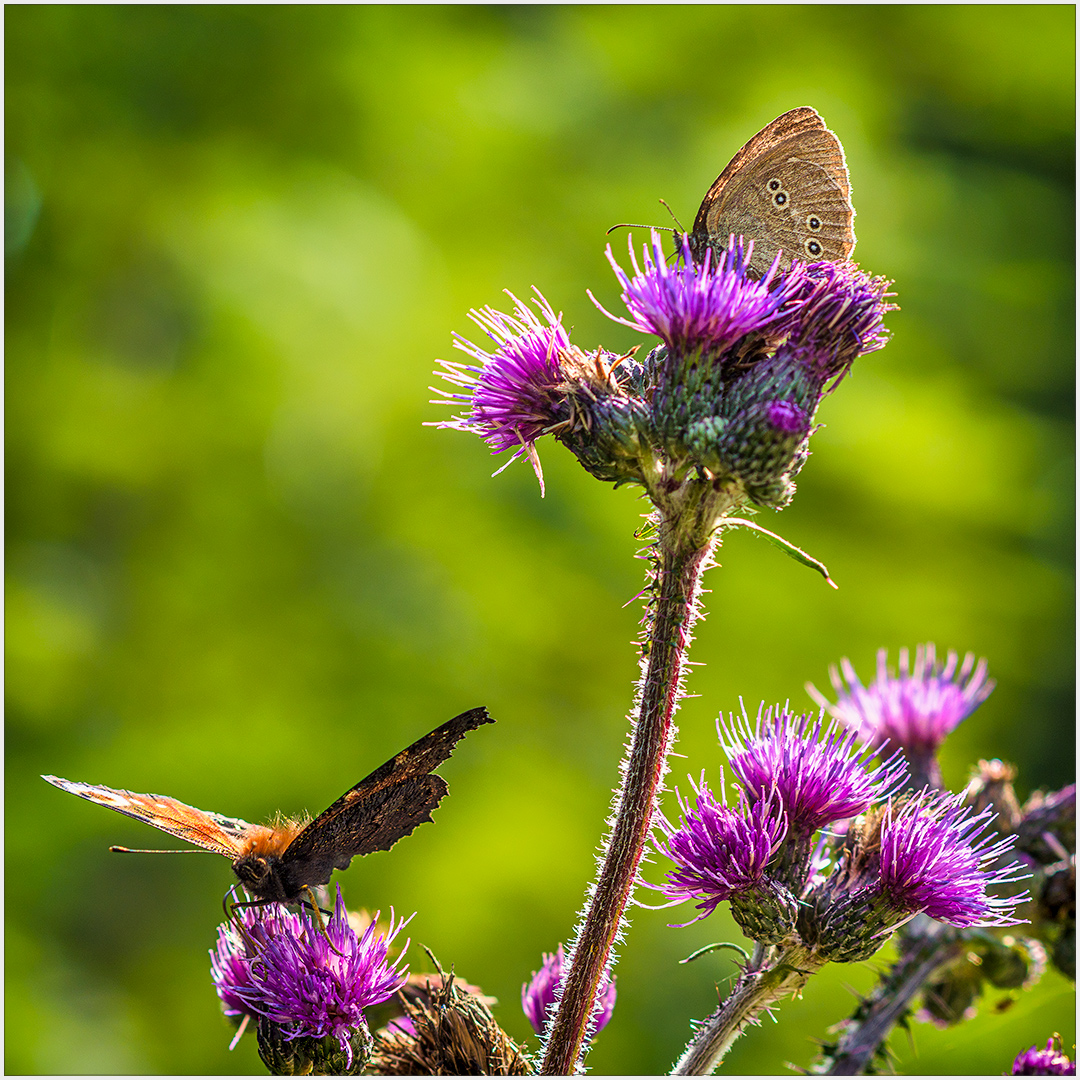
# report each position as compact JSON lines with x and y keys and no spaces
{"x":281,"y":862}
{"x":787,"y":190}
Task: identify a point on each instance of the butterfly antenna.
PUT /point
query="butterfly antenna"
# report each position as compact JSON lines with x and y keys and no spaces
{"x":673,"y":217}
{"x":162,"y":851}
{"x":634,"y":225}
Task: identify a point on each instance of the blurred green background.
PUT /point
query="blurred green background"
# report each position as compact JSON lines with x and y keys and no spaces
{"x":241,"y":572}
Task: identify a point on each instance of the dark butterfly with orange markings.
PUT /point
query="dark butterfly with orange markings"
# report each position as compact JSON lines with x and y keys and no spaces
{"x":280,"y":862}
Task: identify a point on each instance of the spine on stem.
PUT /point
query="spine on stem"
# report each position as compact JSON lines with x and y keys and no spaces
{"x":755,"y":991}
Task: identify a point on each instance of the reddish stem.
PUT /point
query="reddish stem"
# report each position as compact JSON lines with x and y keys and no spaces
{"x":678,"y":576}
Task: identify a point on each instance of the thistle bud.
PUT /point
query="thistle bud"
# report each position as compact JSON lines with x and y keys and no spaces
{"x":305,"y":1056}
{"x":765,"y":913}
{"x":845,"y":918}
{"x":606,"y":428}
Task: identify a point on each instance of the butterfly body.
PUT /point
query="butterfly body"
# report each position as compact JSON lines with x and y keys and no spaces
{"x":280,"y":862}
{"x":787,"y":190}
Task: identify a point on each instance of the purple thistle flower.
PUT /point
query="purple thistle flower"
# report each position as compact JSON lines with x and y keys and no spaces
{"x":840,"y":318}
{"x":541,"y":993}
{"x":510,"y":396}
{"x":818,"y":774}
{"x":701,"y":307}
{"x":718,"y":851}
{"x":312,"y":984}
{"x":938,"y":858}
{"x":915,"y":709}
{"x":1052,"y":1061}
{"x":403,"y":1024}
{"x":230,"y":968}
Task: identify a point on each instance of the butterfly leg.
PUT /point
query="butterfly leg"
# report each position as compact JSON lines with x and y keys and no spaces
{"x":319,"y":912}
{"x":230,"y":913}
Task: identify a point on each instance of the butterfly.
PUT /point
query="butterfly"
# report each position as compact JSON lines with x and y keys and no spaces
{"x":283,"y":861}
{"x":787,"y":190}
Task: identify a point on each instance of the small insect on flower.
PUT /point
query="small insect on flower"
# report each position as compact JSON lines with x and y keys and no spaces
{"x":283,"y":862}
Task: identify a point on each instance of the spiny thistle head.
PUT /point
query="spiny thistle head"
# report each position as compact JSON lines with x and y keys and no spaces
{"x":303,"y":983}
{"x":939,"y":857}
{"x":925,"y":853}
{"x":510,"y":395}
{"x":816,"y":770}
{"x":719,"y":851}
{"x":696,"y":308}
{"x":913,"y":708}
{"x":840,"y":318}
{"x":1053,"y":1061}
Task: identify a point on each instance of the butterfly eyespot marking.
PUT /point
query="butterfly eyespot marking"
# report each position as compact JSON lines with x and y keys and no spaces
{"x":813,"y":247}
{"x":813,"y":222}
{"x":751,"y":194}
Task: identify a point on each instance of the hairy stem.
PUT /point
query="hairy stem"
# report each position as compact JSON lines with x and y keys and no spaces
{"x":876,"y":1016}
{"x":756,"y":989}
{"x":680,"y":562}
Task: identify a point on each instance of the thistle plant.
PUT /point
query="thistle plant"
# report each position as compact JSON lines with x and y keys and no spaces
{"x":714,"y":421}
{"x":840,"y":836}
{"x":805,"y":888}
{"x":837,"y":834}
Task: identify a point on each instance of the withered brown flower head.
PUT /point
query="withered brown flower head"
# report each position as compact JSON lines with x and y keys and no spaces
{"x":453,"y":1033}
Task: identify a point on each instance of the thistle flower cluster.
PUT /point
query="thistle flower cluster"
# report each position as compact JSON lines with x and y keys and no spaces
{"x":729,"y":396}
{"x":302,"y":983}
{"x":821,"y":850}
{"x":540,"y":994}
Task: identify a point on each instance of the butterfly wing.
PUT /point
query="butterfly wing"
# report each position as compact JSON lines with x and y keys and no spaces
{"x":381,"y":809}
{"x":786,"y":189}
{"x":215,"y":832}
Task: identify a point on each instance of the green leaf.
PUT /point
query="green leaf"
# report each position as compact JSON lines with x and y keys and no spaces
{"x":786,"y":546}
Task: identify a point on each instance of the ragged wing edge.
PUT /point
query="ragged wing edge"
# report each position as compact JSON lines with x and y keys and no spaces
{"x":419,"y":759}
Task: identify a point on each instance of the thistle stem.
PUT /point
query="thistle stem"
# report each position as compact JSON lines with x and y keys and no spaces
{"x":755,"y":990}
{"x":679,"y":566}
{"x":876,"y":1017}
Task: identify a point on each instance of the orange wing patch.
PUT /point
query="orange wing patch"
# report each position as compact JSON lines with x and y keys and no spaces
{"x":215,"y":832}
